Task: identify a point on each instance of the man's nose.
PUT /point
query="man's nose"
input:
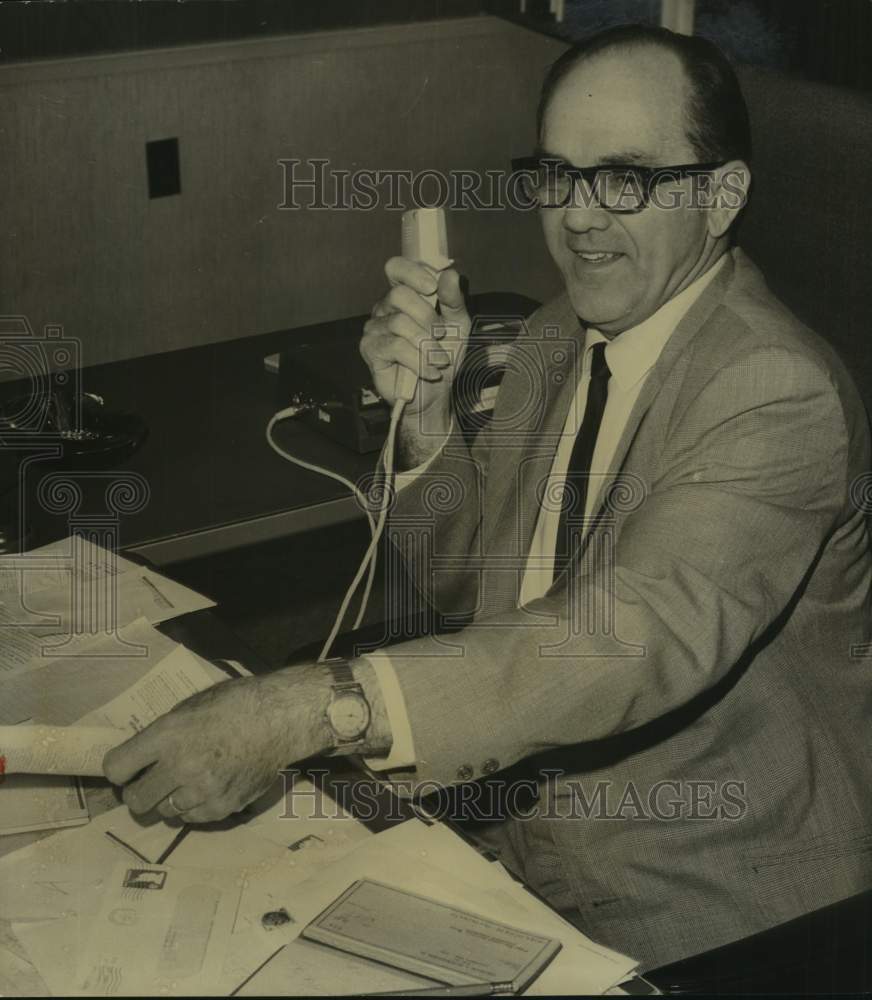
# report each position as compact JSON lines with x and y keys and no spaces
{"x":584,"y":212}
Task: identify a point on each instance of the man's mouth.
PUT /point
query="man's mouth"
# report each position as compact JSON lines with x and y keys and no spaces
{"x":596,"y":257}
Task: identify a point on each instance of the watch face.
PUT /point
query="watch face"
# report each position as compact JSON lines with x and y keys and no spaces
{"x":349,"y":716}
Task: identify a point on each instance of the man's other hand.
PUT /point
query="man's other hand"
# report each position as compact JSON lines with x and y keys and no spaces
{"x":222,"y":748}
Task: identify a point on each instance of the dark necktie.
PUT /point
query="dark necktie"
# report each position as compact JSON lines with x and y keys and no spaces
{"x":575,"y":497}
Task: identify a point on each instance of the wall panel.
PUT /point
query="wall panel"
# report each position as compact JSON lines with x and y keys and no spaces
{"x":84,"y":246}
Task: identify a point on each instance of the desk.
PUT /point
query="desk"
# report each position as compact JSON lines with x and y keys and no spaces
{"x":37,"y":882}
{"x":828,"y":951}
{"x":205,"y":633}
{"x":214,"y":482}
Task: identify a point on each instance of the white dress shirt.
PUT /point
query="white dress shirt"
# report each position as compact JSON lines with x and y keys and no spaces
{"x":630,"y":357}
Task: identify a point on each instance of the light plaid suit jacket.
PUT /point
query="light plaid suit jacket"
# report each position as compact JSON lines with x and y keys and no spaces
{"x":699,"y":678}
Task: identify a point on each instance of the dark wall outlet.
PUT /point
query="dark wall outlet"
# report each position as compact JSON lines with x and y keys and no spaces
{"x":162,"y":161}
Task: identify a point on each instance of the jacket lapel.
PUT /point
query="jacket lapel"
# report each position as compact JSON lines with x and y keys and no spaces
{"x":539,"y":387}
{"x":524,"y":456}
{"x":675,"y":347}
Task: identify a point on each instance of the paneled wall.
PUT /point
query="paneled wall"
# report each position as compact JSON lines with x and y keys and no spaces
{"x":84,"y":246}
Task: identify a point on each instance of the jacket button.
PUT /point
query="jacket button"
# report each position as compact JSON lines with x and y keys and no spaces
{"x":464,"y":772}
{"x":490,"y":765}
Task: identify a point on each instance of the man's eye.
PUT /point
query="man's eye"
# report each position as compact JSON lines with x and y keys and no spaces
{"x":623,"y":178}
{"x":553,"y":179}
{"x":620,"y":190}
{"x":621,"y":183}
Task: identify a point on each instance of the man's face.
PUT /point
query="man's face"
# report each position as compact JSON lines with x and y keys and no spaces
{"x":623,"y":107}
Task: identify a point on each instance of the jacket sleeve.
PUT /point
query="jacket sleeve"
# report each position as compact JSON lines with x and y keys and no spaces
{"x":752,"y":483}
{"x":436,"y":518}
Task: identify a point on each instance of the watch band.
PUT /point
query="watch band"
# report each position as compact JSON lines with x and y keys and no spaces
{"x":342,"y":674}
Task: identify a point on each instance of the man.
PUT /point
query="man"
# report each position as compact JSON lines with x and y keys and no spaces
{"x":673,"y":657}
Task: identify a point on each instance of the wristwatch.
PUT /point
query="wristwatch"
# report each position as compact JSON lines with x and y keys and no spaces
{"x":348,"y":714}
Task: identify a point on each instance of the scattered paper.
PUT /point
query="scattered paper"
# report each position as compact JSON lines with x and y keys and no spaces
{"x":305,"y":969}
{"x":307,"y":843}
{"x":53,"y":947}
{"x":20,"y":646}
{"x":417,"y":934}
{"x":159,"y":931}
{"x":438,"y":846}
{"x":581,"y":967}
{"x":177,"y":676}
{"x":31,"y":802}
{"x":55,"y":875}
{"x":148,"y":930}
{"x":75,"y":587}
{"x":65,"y":683}
{"x":18,"y":977}
{"x":77,"y":750}
{"x":284,"y":866}
{"x":58,"y":875}
{"x":269,"y":855}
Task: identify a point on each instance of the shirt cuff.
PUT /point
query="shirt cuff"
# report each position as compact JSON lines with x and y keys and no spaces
{"x":402,"y":752}
{"x":402,"y":479}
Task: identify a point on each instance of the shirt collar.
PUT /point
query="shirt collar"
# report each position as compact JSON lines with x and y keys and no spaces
{"x":633,"y":353}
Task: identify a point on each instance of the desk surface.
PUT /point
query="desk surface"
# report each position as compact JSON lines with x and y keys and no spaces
{"x":825,"y":951}
{"x":211,"y":475}
{"x":205,"y":633}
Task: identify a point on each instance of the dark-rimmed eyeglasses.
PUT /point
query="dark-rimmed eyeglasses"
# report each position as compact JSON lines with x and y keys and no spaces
{"x":549,"y":182}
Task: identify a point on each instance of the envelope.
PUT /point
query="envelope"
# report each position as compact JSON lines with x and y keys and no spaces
{"x":159,"y":931}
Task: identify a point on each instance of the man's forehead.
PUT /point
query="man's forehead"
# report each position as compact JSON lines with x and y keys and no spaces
{"x":629,"y":101}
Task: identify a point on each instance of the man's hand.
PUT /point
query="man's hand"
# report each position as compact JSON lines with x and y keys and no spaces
{"x":222,"y":748}
{"x":405,"y":330}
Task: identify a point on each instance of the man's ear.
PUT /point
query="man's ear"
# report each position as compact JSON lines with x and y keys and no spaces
{"x":731,"y":184}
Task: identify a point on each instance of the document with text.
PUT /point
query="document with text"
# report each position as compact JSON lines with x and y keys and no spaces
{"x":75,"y":587}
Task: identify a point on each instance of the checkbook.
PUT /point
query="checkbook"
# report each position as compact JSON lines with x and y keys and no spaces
{"x":419,"y":935}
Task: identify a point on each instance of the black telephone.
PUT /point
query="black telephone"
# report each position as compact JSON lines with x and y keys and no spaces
{"x":79,"y":421}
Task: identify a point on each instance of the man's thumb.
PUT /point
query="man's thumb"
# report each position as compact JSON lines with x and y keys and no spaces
{"x":452,"y":305}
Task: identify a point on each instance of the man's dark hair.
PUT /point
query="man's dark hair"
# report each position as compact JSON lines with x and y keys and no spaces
{"x":717,"y":124}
